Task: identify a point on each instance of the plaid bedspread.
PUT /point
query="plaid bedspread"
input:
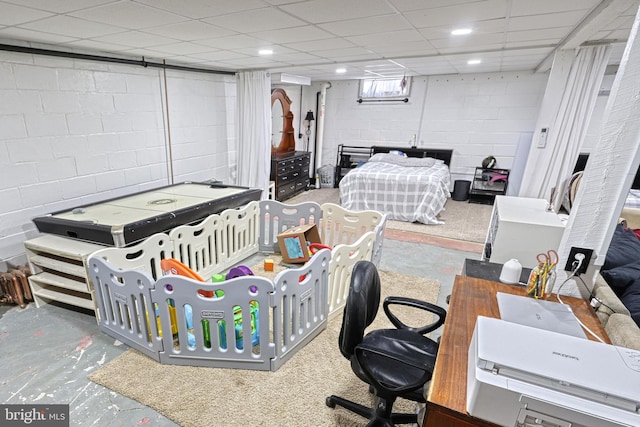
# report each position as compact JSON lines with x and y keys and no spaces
{"x":406,"y":193}
{"x":633,"y":199}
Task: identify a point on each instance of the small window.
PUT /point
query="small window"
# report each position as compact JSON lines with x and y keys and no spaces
{"x":385,"y":88}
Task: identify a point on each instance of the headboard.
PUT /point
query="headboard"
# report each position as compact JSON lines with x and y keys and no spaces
{"x":435,"y":153}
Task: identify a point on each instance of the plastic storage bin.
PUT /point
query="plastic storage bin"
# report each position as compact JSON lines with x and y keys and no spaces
{"x":326,"y":174}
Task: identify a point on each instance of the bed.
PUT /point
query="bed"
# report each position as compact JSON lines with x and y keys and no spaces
{"x":413,"y":189}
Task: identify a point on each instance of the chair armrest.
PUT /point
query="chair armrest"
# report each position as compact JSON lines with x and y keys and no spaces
{"x":440,"y":312}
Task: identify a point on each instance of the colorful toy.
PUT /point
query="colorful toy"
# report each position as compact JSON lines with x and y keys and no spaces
{"x":268,"y":264}
{"x":173,"y":266}
{"x":239,"y":271}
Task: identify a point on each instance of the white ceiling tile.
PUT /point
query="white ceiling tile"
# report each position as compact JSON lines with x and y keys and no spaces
{"x":190,"y":31}
{"x":353,"y":27}
{"x":33,"y":36}
{"x":59,"y":6}
{"x":386,"y":38}
{"x":256,"y":20}
{"x":548,"y":20}
{"x":71,"y":27}
{"x":476,"y":41}
{"x":356,"y":52}
{"x":136,"y":39}
{"x":409,"y":5}
{"x":299,"y":58}
{"x":181,"y":48}
{"x":128,"y":15}
{"x":291,"y":35}
{"x":199,"y":9}
{"x":11,"y":14}
{"x":539,"y":7}
{"x":318,"y":11}
{"x":255,"y":62}
{"x":417,"y":48}
{"x":462,"y":14}
{"x":235,"y":42}
{"x":220,"y":55}
{"x":544,"y":34}
{"x":99,"y":46}
{"x":313,"y":45}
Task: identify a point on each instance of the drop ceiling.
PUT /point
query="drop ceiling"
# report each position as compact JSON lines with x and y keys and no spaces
{"x":313,"y":38}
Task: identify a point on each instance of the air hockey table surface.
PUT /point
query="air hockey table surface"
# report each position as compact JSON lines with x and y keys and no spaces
{"x":129,"y":219}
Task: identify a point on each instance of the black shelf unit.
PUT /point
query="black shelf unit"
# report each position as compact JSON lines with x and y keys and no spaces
{"x":487,"y":184}
{"x":349,"y":157}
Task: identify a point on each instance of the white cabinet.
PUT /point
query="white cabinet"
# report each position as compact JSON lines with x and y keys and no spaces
{"x":521,"y":228}
{"x":59,"y":270}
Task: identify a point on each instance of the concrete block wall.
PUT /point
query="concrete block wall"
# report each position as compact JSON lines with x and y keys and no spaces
{"x":74,"y":132}
{"x":476,"y":115}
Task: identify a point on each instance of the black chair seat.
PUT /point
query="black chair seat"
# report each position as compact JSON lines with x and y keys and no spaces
{"x":397,"y":357}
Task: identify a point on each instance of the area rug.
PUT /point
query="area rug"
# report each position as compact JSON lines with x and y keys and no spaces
{"x":462,"y":220}
{"x":292,"y":396}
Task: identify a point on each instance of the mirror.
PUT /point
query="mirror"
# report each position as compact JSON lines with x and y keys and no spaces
{"x":282,"y":134}
{"x":277,"y":123}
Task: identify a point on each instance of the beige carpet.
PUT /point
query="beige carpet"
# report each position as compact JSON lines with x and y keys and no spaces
{"x":463,"y":221}
{"x":292,"y":396}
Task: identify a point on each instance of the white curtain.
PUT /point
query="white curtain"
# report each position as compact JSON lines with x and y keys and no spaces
{"x":568,"y":130}
{"x":254,"y":130}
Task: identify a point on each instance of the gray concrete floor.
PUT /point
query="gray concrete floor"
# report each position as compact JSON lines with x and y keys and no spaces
{"x":48,"y":352}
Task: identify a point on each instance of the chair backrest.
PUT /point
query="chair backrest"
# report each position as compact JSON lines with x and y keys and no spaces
{"x":361,"y":306}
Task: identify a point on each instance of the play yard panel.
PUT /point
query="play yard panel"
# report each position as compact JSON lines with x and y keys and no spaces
{"x":136,"y":306}
{"x":245,"y":323}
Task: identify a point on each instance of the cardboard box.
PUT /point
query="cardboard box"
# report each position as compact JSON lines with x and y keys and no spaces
{"x":293,"y":243}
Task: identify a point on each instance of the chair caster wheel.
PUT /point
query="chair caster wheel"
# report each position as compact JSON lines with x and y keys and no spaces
{"x":330,"y":403}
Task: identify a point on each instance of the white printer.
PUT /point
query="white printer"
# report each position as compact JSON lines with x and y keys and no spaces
{"x":524,"y":376}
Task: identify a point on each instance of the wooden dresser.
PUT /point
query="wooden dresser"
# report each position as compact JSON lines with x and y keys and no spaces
{"x":290,"y":172}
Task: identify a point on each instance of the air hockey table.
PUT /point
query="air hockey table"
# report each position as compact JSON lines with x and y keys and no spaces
{"x":129,"y":219}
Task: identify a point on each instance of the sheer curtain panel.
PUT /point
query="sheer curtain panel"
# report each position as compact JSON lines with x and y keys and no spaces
{"x":254,"y":129}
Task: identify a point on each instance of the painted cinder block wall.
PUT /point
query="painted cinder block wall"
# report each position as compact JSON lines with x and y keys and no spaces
{"x":74,"y":132}
{"x":476,"y":115}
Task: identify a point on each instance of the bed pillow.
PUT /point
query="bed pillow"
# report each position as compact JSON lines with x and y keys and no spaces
{"x":405,"y":161}
{"x":624,"y":248}
{"x":620,"y":278}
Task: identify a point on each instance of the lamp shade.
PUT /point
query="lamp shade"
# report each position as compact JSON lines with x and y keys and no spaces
{"x":309,"y":117}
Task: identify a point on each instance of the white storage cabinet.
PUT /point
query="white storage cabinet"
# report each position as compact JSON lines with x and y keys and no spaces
{"x":521,"y":228}
{"x":59,"y":270}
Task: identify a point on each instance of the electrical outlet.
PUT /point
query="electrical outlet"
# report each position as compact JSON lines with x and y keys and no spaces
{"x":588,"y":253}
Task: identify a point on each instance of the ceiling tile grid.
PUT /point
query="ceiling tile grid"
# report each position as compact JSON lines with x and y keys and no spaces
{"x":315,"y":37}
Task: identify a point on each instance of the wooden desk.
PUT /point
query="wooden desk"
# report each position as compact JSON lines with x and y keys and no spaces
{"x":471,"y":297}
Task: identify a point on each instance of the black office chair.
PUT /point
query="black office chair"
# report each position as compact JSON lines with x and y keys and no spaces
{"x":394,"y":362}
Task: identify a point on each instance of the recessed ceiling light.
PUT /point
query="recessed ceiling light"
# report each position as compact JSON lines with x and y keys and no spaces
{"x":341,"y":70}
{"x":461,"y":31}
{"x":474,"y":61}
{"x":265,"y":52}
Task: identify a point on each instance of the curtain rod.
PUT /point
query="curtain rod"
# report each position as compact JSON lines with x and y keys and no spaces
{"x":360,"y":100}
{"x":89,"y":57}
